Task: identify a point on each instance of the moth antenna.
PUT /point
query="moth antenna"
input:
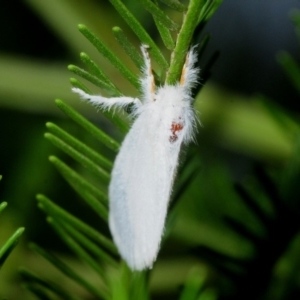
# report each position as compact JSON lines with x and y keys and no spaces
{"x":147,"y":80}
{"x":189,"y":73}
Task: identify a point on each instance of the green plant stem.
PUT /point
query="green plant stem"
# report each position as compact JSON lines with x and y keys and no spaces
{"x":92,"y":129}
{"x":10,"y":244}
{"x":176,"y":5}
{"x":2,"y":206}
{"x":115,"y":61}
{"x":67,"y":271}
{"x":159,"y":15}
{"x":183,"y":41}
{"x":164,"y":34}
{"x":140,"y":32}
{"x":78,"y":250}
{"x":93,"y":67}
{"x":38,"y":291}
{"x":79,"y":157}
{"x":108,"y":88}
{"x":79,"y":146}
{"x":90,"y":246}
{"x":77,"y":180}
{"x":34,"y":280}
{"x":92,"y":201}
{"x":128,"y":47}
{"x":57,"y":212}
{"x":78,"y":84}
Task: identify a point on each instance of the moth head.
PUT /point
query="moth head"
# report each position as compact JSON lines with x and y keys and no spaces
{"x":170,"y":94}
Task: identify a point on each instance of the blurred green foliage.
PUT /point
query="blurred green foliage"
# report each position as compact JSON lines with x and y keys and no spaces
{"x":233,"y":227}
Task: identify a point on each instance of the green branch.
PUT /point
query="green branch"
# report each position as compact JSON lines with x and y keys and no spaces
{"x":183,"y":41}
{"x":141,"y":33}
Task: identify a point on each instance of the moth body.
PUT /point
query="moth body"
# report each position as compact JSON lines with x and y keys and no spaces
{"x":144,"y":169}
{"x":142,"y":177}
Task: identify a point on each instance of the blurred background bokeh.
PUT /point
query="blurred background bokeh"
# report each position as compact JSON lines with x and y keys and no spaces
{"x":38,"y":39}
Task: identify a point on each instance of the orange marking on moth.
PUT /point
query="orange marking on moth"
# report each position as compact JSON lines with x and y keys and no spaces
{"x":149,"y":70}
{"x":175,"y":127}
{"x":153,"y":83}
{"x":182,"y":78}
{"x":183,"y":74}
{"x":152,"y":78}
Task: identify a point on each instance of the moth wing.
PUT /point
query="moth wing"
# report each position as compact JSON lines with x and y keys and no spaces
{"x":139,"y":193}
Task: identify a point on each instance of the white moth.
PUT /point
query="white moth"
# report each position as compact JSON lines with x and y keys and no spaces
{"x":144,"y":170}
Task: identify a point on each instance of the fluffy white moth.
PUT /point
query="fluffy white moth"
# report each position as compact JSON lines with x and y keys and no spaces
{"x":144,"y":170}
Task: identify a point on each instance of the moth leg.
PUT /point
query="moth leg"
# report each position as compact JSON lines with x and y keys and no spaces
{"x":147,"y":80}
{"x":107,"y":103}
{"x":189,"y":71}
